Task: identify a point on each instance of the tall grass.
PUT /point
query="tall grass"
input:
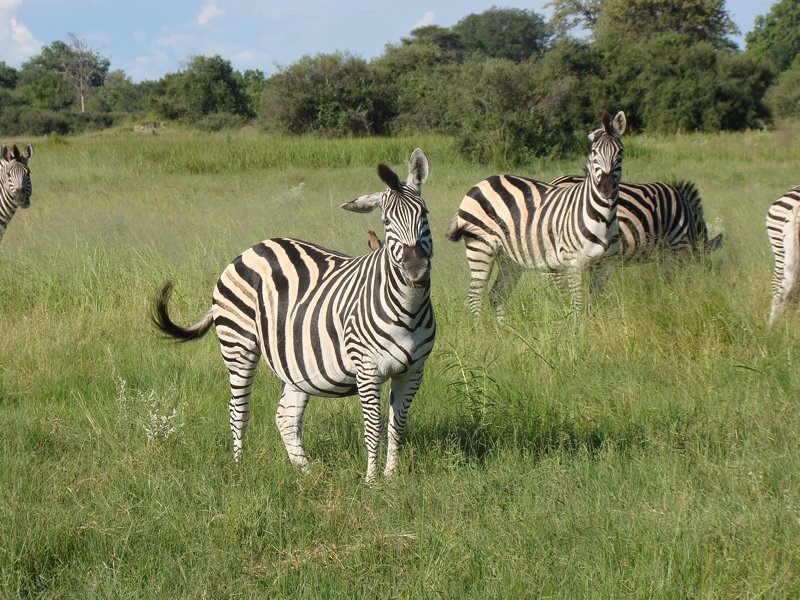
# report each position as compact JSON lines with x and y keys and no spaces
{"x":647,"y":449}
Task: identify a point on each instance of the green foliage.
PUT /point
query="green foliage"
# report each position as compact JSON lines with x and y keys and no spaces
{"x":41,"y":79}
{"x":8,"y":76}
{"x":783,"y":97}
{"x":206,"y":86}
{"x":513,"y":34}
{"x":776,"y":36}
{"x":419,"y":85}
{"x":327,"y":94}
{"x":699,"y":20}
{"x":669,"y":83}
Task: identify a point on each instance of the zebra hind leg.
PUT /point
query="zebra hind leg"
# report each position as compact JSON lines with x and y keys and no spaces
{"x":289,"y":418}
{"x":480,"y":258}
{"x":507,"y":277}
{"x":241,"y":363}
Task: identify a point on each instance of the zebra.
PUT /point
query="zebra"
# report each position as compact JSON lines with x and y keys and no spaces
{"x":329,"y":324}
{"x":516,"y":222}
{"x":15,"y":183}
{"x":655,"y":216}
{"x":783,"y":229}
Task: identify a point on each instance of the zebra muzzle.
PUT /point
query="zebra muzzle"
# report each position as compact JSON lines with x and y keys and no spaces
{"x":607,"y":185}
{"x":416,"y":264}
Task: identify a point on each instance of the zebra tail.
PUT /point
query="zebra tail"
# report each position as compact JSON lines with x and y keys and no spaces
{"x":454,"y":232}
{"x":689,"y":192}
{"x":160,"y":317}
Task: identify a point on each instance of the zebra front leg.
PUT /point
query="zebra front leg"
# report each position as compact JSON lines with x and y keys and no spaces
{"x":289,"y":418}
{"x":574,"y":275}
{"x":404,"y":387}
{"x":369,"y":391}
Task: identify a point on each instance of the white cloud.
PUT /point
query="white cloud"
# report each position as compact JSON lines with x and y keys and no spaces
{"x":429,"y":18}
{"x":21,"y":43}
{"x":210,"y":11}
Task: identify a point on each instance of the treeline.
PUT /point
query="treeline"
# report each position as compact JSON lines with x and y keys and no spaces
{"x":506,"y":83}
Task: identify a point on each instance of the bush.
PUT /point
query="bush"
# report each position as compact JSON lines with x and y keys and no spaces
{"x":783,"y":98}
{"x":328,"y":94}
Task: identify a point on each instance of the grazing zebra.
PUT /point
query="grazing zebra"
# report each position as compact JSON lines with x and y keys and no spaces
{"x":656,"y":216}
{"x":329,"y":324}
{"x":783,"y":229}
{"x":15,"y":183}
{"x":518,"y":222}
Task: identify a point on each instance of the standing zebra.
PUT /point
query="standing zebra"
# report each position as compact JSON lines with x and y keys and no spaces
{"x":15,"y":183}
{"x":329,"y":324}
{"x":518,"y":222}
{"x":656,"y":216}
{"x":783,"y":229}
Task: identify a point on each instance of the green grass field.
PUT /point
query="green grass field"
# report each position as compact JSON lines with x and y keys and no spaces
{"x":647,"y":449}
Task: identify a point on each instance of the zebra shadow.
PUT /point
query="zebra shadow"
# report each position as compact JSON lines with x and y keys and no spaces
{"x":467,"y":439}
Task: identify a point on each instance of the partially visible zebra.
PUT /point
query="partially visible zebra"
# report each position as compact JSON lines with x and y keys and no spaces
{"x":15,"y":183}
{"x":783,"y":229}
{"x":329,"y":324}
{"x":657,"y":216}
{"x":516,"y":222}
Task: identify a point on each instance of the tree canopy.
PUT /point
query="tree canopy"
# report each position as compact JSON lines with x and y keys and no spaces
{"x":505,"y":83}
{"x":776,"y":36}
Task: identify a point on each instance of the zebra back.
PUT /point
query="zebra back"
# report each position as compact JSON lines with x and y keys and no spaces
{"x":657,"y":215}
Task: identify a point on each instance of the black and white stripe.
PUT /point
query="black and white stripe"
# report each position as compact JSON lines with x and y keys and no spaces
{"x":658,"y":216}
{"x":15,"y":183}
{"x":519,"y":223}
{"x":783,"y":229}
{"x":329,"y":324}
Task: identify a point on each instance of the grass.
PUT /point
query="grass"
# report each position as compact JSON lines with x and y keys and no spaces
{"x":649,"y":449}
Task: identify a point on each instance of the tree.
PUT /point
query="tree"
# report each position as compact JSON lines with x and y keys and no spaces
{"x":83,"y":67}
{"x":41,"y":81}
{"x":510,"y":33}
{"x":329,"y":94}
{"x":8,"y":76}
{"x":783,"y":98}
{"x":776,"y":36}
{"x":701,"y":20}
{"x":208,"y":86}
{"x":448,"y":41}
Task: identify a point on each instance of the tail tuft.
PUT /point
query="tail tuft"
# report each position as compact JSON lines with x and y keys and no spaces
{"x":454,"y":232}
{"x":160,"y":317}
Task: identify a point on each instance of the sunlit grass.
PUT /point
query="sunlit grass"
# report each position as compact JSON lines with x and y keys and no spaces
{"x":647,"y":449}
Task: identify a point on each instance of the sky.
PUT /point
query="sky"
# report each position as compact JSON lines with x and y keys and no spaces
{"x":150,"y":38}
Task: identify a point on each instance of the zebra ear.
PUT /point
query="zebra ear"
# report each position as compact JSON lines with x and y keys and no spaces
{"x":6,"y":153}
{"x":364,"y":204}
{"x":417,"y":170}
{"x":15,"y":152}
{"x":620,"y":123}
{"x":28,"y":152}
{"x":389,"y":177}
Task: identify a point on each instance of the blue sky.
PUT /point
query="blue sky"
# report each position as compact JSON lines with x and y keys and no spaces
{"x":148,"y":38}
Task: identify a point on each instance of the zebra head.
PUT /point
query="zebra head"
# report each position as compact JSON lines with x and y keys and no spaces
{"x":605,"y":157}
{"x":405,"y":217}
{"x":15,"y":176}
